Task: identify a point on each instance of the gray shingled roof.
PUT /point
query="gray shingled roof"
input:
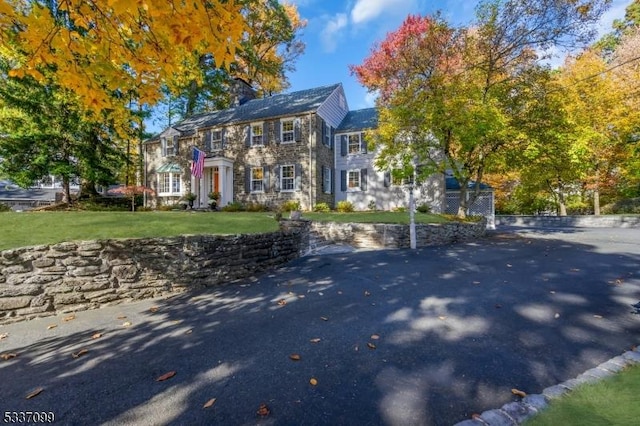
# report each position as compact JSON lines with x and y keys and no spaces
{"x":9,"y":191}
{"x":360,"y":119}
{"x":258,"y":109}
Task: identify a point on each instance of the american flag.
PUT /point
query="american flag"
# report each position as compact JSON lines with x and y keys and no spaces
{"x":197,"y":166}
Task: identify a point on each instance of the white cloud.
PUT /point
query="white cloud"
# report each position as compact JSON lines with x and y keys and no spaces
{"x":332,"y":31}
{"x":616,"y":11}
{"x":367,"y":10}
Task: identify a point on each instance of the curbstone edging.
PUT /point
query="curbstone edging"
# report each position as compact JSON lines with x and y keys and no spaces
{"x":514,"y":413}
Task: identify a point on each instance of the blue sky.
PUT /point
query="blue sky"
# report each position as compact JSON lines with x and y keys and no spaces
{"x":341,"y":33}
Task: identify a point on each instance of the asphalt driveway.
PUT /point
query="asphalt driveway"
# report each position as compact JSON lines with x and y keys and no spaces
{"x":394,"y":337}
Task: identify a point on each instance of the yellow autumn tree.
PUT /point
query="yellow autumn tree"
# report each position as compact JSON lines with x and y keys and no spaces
{"x":108,"y":51}
{"x":597,"y":103}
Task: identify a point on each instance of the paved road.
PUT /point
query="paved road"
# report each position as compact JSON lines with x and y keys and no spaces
{"x":458,"y":327}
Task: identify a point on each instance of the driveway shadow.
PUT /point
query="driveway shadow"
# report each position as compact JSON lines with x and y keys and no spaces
{"x":392,"y":337}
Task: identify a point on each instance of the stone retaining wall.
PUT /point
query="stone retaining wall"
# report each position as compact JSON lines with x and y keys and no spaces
{"x":605,"y":221}
{"x":52,"y":279}
{"x":366,"y":235}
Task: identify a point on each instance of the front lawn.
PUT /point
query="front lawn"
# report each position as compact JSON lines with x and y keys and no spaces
{"x":613,"y":402}
{"x":35,"y":228}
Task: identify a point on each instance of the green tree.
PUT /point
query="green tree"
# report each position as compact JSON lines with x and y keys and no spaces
{"x":46,"y":131}
{"x":455,"y":98}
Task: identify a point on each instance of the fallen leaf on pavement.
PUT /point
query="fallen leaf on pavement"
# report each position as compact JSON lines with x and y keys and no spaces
{"x":153,"y":309}
{"x":166,"y":376}
{"x":301,"y":296}
{"x":442,"y":317}
{"x":96,"y":336}
{"x":316,"y":340}
{"x":34,"y":392}
{"x":122,"y":317}
{"x":575,"y":270}
{"x":51,"y":326}
{"x":4,"y":336}
{"x":557,"y":315}
{"x":189,"y":331}
{"x":371,"y":345}
{"x":8,"y":356}
{"x":209,"y":403}
{"x":282,"y":302}
{"x":263,"y":410}
{"x":294,"y":357}
{"x":313,"y":381}
{"x":324,"y":318}
{"x":519,"y":393}
{"x":69,"y":318}
{"x":476,"y":282}
{"x":375,"y":336}
{"x":366,"y":293}
{"x":598,"y":316}
{"x":509,"y":265}
{"x":475,"y":416}
{"x":79,"y":353}
{"x":127,"y":324}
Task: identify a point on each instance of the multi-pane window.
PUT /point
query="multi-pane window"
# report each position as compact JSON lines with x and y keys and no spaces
{"x":169,"y":183}
{"x":257,"y":134}
{"x":168,"y":146}
{"x":257,"y":179}
{"x":354,"y":143}
{"x":216,"y":140}
{"x":326,"y":180}
{"x":287,"y":178}
{"x":353,"y":180}
{"x":327,"y":134}
{"x":287,"y":131}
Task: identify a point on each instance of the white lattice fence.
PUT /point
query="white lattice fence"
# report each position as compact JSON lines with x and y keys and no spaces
{"x":482,"y":206}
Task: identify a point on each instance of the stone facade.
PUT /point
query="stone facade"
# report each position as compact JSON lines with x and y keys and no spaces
{"x":52,"y":279}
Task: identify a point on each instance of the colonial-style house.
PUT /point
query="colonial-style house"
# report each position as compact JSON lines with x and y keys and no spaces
{"x":266,"y":151}
{"x":304,"y":146}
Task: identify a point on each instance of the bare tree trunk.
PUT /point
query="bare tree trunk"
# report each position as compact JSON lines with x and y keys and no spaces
{"x":596,"y":195}
{"x":562,"y":203}
{"x":462,"y":201}
{"x":66,"y":190}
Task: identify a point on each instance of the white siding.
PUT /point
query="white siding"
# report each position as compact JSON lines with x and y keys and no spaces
{"x":334,"y":108}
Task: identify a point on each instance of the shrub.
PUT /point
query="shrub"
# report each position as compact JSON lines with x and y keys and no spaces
{"x":372,"y":205}
{"x":256,"y":207}
{"x":290,"y":205}
{"x":322,"y":208}
{"x":400,"y":209}
{"x":344,"y":206}
{"x":4,"y":208}
{"x":234,"y":206}
{"x":624,"y":206}
{"x":424,"y":208}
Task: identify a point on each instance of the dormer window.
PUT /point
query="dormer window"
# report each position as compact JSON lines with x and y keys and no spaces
{"x":169,"y":146}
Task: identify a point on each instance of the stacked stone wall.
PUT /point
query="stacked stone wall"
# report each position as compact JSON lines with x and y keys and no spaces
{"x":375,"y":236}
{"x":66,"y":277}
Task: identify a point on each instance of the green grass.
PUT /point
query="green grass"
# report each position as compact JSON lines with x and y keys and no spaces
{"x":612,"y":402}
{"x":36,"y":228}
{"x":374,"y":217}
